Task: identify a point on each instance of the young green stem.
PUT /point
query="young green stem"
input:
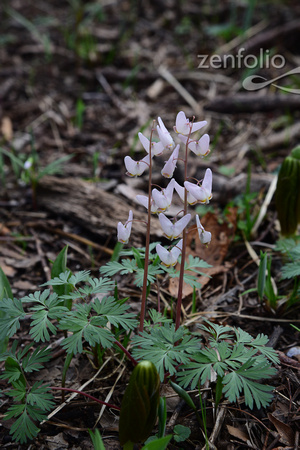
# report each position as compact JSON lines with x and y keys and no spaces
{"x":146,"y":262}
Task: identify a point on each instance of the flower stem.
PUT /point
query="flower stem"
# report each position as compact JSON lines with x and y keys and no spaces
{"x":146,"y":262}
{"x":129,"y":356}
{"x":184,"y":235}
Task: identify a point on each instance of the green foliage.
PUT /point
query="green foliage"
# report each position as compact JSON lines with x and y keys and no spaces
{"x":96,"y":440}
{"x":59,"y":266}
{"x":134,"y":266}
{"x":192,"y":265}
{"x":159,"y":346}
{"x":290,"y":250}
{"x":22,"y":362}
{"x":5,"y":292}
{"x":181,"y":433}
{"x":233,"y":355}
{"x":30,"y":403}
{"x":34,"y":403}
{"x":11,"y":313}
{"x":237,"y":359}
{"x":158,"y":444}
{"x":93,"y":328}
{"x":46,"y":308}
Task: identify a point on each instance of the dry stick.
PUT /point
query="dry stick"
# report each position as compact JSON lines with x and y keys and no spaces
{"x":146,"y":262}
{"x":179,"y":88}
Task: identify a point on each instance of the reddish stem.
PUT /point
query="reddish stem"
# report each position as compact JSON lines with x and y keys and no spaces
{"x":146,"y":263}
{"x":86,"y":395}
{"x":129,"y":356}
{"x":180,"y":284}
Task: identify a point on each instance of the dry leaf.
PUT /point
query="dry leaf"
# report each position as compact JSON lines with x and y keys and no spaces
{"x":214,"y":254}
{"x":7,"y":128}
{"x":236,"y":432}
{"x":287,"y":435}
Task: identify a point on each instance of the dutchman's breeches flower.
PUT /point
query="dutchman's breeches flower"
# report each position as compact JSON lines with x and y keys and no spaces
{"x":125,"y":230}
{"x":157,"y":148}
{"x":143,"y":200}
{"x":183,"y":125}
{"x":169,"y":258}
{"x":201,"y":193}
{"x":164,"y":136}
{"x":136,"y":168}
{"x":173,"y":230}
{"x":200,"y":148}
{"x":170,"y":166}
{"x":205,"y":236}
{"x":163,"y":198}
{"x":181,"y":190}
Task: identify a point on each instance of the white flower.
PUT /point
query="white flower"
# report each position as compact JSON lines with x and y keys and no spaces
{"x":183,"y":124}
{"x":201,"y":193}
{"x":143,"y":200}
{"x":169,"y":258}
{"x":205,"y":236}
{"x":125,"y":230}
{"x":164,"y":136}
{"x":173,"y":230}
{"x":28,"y":164}
{"x":200,"y":148}
{"x":136,"y":168}
{"x":156,"y":147}
{"x":169,"y":167}
{"x":180,"y":191}
{"x":163,"y":198}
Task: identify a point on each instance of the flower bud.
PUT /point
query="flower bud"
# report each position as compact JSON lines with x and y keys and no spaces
{"x":288,"y":193}
{"x":140,"y":404}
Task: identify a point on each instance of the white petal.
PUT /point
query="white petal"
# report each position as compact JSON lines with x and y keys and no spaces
{"x":143,"y":200}
{"x":156,"y":147}
{"x":180,"y":225}
{"x":182,"y":124}
{"x":201,"y":193}
{"x":164,"y":135}
{"x":169,"y":258}
{"x":176,"y":250}
{"x":180,"y":191}
{"x":125,"y":230}
{"x":205,"y":236}
{"x":200,"y":148}
{"x":207,"y":182}
{"x":198,"y":125}
{"x":170,"y":165}
{"x":183,"y":138}
{"x":164,"y":254}
{"x":136,"y":168}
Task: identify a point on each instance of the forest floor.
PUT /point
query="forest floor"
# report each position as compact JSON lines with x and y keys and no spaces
{"x":82,"y":79}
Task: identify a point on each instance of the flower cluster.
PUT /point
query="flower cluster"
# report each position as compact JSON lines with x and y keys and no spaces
{"x":161,"y":200}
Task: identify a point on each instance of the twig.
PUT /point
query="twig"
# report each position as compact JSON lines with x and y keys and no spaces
{"x":41,"y":254}
{"x":179,"y":88}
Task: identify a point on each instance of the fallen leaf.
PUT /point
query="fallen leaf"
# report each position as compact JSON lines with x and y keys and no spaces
{"x":7,"y":128}
{"x":7,"y":269}
{"x":238,"y":433}
{"x":287,"y":435}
